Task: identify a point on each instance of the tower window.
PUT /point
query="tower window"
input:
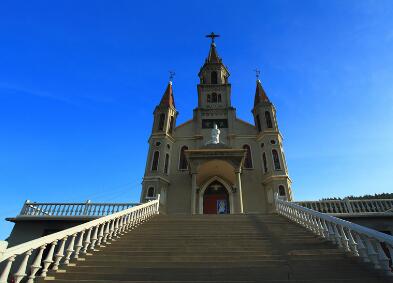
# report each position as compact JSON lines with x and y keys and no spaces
{"x":208,"y":98}
{"x":161,"y":122}
{"x":268,"y":118}
{"x":154,"y":163}
{"x":214,"y":97}
{"x":183,"y":164}
{"x":276,"y":160}
{"x":248,"y":159}
{"x":213,"y":77}
{"x":150,"y":192}
{"x":219,"y":97}
{"x":166,"y":164}
{"x":171,"y":122}
{"x":264,"y":162}
{"x":281,"y":191}
{"x":258,"y":123}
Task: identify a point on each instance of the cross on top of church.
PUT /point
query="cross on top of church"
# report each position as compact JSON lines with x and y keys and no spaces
{"x":213,"y":36}
{"x":257,"y":73}
{"x":171,"y":75}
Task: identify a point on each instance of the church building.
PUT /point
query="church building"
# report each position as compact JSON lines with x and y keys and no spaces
{"x":215,"y":163}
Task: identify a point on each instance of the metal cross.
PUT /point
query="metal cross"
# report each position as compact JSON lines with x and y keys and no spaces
{"x":257,"y":73}
{"x":171,"y":75}
{"x":212,"y":36}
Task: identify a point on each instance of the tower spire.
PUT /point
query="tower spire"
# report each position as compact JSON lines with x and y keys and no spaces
{"x":213,"y":55}
{"x":260,"y":94}
{"x":167,"y":99}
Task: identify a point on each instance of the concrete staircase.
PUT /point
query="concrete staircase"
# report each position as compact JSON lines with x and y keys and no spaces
{"x":218,"y":248}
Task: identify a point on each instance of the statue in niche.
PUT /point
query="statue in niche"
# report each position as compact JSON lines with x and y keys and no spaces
{"x":215,"y":135}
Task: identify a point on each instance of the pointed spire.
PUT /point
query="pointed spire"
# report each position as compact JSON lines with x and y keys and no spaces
{"x":213,"y":55}
{"x":167,"y":99}
{"x":260,"y":94}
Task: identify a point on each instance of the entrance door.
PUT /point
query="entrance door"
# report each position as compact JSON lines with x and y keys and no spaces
{"x":216,"y":199}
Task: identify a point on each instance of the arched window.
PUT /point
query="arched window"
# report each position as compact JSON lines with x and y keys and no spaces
{"x":150,"y":192}
{"x":276,"y":160}
{"x":264,"y":162}
{"x":248,"y":159}
{"x":258,"y":123}
{"x":154,"y":163}
{"x":208,"y":98}
{"x":171,"y":121}
{"x":166,"y":164}
{"x":214,"y":97}
{"x":161,"y":122}
{"x":281,"y":190}
{"x":213,"y":77}
{"x":269,"y":123}
{"x":219,"y":97}
{"x":183,"y":164}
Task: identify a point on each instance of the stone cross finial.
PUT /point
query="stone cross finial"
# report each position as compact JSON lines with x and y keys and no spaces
{"x":257,"y":73}
{"x":212,"y":36}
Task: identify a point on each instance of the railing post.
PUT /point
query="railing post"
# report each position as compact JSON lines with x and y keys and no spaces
{"x":36,"y":264}
{"x":348,"y":204}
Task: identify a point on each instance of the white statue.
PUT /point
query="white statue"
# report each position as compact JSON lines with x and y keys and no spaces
{"x":215,"y":135}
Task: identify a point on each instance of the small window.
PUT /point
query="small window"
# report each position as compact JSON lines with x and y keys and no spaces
{"x":166,"y":164}
{"x":171,"y":122}
{"x":213,"y":77}
{"x":214,"y":97}
{"x":276,"y":160}
{"x":161,"y":122}
{"x":264,"y":162}
{"x":258,"y":123}
{"x":281,"y":191}
{"x":154,"y":164}
{"x":150,"y":192}
{"x":269,"y":123}
{"x":208,"y":98}
{"x":219,"y":97}
{"x":248,"y":159}
{"x":183,"y":164}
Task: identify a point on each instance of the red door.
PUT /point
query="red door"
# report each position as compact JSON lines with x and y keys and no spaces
{"x":214,"y":195}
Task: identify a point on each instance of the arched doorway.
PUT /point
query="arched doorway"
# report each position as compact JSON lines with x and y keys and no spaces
{"x":216,"y":199}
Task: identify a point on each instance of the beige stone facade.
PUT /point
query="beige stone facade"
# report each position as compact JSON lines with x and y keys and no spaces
{"x":241,"y":174}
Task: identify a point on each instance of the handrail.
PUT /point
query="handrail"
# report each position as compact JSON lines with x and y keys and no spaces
{"x":352,"y":206}
{"x":79,"y":239}
{"x":371,"y":245}
{"x":53,"y":209}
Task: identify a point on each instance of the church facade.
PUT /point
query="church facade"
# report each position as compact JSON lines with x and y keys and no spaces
{"x":240,"y":172}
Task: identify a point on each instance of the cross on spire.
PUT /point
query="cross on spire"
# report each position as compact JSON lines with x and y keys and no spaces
{"x":212,"y":36}
{"x":171,"y":75}
{"x":257,"y":73}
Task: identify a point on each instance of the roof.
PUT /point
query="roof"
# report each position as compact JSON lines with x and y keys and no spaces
{"x":260,"y":94}
{"x":168,"y":99}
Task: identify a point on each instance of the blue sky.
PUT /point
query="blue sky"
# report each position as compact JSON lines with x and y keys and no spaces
{"x":79,"y":81}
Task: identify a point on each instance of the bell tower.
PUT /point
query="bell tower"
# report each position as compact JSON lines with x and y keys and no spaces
{"x":275,"y":173}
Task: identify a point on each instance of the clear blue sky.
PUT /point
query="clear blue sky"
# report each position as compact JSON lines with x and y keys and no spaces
{"x":79,"y":81}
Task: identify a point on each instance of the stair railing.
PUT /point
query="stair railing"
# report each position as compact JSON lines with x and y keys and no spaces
{"x":63,"y":246}
{"x":370,"y":245}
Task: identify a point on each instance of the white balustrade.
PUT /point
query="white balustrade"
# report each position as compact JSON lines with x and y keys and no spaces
{"x":368,"y":244}
{"x":72,"y":209}
{"x":350,"y":206}
{"x":69,"y":244}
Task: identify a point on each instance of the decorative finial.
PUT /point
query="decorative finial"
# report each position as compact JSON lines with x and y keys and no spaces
{"x":212,"y":36}
{"x":257,"y":73}
{"x":171,"y":76}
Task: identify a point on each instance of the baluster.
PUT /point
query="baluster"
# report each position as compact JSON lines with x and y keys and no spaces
{"x":6,"y":270}
{"x":383,"y":260}
{"x":101,"y":234}
{"x":363,"y":208}
{"x":60,"y":254}
{"x":48,"y":260}
{"x":344,"y":239}
{"x":94,"y":238}
{"x":352,"y":243}
{"x":106,"y":232}
{"x":64,"y":206}
{"x":21,"y":273}
{"x":36,"y":264}
{"x":108,"y":210}
{"x":371,"y":253}
{"x":79,"y":244}
{"x":87,"y":241}
{"x":362,"y":249}
{"x":67,"y":211}
{"x":337,"y":235}
{"x":70,"y":250}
